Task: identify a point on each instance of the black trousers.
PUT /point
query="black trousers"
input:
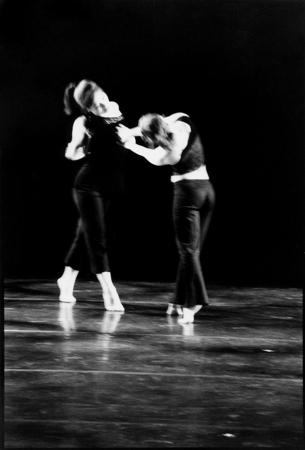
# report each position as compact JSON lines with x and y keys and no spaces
{"x":91,"y":232}
{"x":193,"y":206}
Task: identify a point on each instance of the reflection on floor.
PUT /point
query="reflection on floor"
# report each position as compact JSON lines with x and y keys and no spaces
{"x":77,"y":376}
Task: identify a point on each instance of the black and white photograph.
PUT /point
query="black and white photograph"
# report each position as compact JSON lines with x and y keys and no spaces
{"x":151,"y":217}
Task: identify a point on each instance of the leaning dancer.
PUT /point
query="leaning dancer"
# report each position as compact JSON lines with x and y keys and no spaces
{"x":98,"y":184}
{"x":174,"y":141}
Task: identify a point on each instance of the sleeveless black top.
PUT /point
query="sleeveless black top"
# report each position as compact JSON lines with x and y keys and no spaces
{"x":192,"y":156}
{"x":103,"y":164}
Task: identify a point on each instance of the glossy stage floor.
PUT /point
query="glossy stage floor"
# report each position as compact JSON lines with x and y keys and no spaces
{"x":77,"y":376}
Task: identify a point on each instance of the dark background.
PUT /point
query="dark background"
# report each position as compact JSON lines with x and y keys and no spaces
{"x":236,"y":67}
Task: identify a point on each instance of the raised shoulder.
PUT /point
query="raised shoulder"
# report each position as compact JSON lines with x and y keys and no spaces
{"x":181,"y":126}
{"x":113,"y":110}
{"x":173,"y":117}
{"x":115,"y":106}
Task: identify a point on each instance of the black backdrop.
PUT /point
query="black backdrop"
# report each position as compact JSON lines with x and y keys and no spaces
{"x":236,"y":67}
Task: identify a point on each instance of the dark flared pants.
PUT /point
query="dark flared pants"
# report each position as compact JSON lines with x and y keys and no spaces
{"x":91,"y":232}
{"x":193,"y":206}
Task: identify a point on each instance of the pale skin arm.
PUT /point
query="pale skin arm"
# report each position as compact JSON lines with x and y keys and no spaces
{"x":158,"y":157}
{"x":161,"y":156}
{"x":126,"y":133}
{"x":74,"y":150}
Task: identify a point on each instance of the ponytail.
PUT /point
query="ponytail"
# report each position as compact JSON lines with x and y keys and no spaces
{"x":70,"y":105}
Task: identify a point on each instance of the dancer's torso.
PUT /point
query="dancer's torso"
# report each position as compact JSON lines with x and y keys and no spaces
{"x":103,"y":165}
{"x":192,"y":163}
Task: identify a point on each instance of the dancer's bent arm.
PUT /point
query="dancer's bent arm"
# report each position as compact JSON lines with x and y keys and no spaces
{"x":171,"y":153}
{"x":158,"y":157}
{"x":75,"y":149}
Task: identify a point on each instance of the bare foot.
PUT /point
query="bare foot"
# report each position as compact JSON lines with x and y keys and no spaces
{"x":188,"y":316}
{"x":116,"y":302}
{"x":65,"y":294}
{"x":113,"y":301}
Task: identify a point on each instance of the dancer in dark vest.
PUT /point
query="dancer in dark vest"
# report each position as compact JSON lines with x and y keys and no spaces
{"x":98,"y":183}
{"x":174,"y":141}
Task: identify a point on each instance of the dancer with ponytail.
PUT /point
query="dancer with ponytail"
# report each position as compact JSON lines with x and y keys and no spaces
{"x":97,"y":185}
{"x":174,"y":141}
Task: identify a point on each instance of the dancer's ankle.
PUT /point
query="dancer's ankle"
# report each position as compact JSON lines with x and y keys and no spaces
{"x":112,"y":300}
{"x":195,"y":309}
{"x":172,"y":308}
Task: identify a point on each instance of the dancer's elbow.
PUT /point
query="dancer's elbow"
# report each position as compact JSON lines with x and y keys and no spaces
{"x":74,"y":154}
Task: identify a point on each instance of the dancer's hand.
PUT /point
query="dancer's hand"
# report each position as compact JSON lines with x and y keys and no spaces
{"x":123,"y":133}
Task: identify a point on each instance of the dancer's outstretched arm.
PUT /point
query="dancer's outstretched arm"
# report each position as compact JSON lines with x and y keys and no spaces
{"x":158,"y":156}
{"x":126,"y":133}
